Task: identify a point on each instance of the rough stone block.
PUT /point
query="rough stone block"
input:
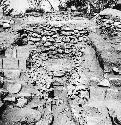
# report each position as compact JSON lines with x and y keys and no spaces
{"x":10,"y":63}
{"x":97,"y":93}
{"x":12,"y":73}
{"x":8,"y":53}
{"x":22,"y":51}
{"x":22,"y":64}
{"x":113,"y":94}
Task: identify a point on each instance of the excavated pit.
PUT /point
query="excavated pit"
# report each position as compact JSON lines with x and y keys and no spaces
{"x":53,"y":73}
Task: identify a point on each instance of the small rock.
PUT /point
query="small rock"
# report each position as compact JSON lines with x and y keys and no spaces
{"x":44,"y":39}
{"x":73,"y":8}
{"x":76,"y":31}
{"x":6,"y":25}
{"x":11,"y":99}
{"x":60,"y":51}
{"x":109,"y":22}
{"x":82,"y":32}
{"x":104,"y":83}
{"x":80,"y":38}
{"x":34,"y":39}
{"x":12,"y":21}
{"x":117,"y":23}
{"x":14,"y":88}
{"x":55,"y":36}
{"x":115,"y":70}
{"x":51,"y":40}
{"x":47,"y":44}
{"x":21,"y":102}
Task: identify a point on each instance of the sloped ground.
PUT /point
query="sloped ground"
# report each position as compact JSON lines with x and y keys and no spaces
{"x":53,"y":72}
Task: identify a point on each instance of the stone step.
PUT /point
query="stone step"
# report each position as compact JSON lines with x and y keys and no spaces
{"x":10,"y":63}
{"x":13,"y":63}
{"x":11,"y":73}
{"x":22,"y":52}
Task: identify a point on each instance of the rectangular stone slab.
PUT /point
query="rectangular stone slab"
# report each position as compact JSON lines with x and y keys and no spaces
{"x":10,"y":63}
{"x":12,"y":73}
{"x":22,"y":52}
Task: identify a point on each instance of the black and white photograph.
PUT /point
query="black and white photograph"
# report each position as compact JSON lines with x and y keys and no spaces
{"x":60,"y":62}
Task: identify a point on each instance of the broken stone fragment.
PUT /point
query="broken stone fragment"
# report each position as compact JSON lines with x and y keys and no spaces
{"x":14,"y":88}
{"x":10,"y":99}
{"x":104,"y":83}
{"x":35,"y":35}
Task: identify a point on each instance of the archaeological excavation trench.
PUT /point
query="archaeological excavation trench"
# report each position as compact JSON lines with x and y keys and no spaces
{"x":60,"y":70}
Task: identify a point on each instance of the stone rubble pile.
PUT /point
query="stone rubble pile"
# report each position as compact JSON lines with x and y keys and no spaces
{"x":107,"y":40}
{"x":109,"y":26}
